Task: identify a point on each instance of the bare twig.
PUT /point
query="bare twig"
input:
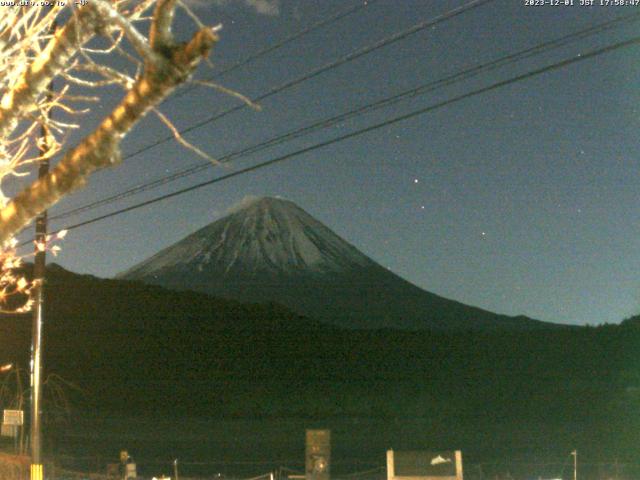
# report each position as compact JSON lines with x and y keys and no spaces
{"x":165,"y":67}
{"x":181,"y":140}
{"x":228,"y":91}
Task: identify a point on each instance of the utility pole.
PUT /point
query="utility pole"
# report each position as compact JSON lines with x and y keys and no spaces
{"x":36,"y":332}
{"x":39,"y":265}
{"x":575,"y":464}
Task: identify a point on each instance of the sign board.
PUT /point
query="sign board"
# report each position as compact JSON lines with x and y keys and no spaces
{"x":318,"y":454}
{"x":421,"y":465}
{"x":13,"y":417}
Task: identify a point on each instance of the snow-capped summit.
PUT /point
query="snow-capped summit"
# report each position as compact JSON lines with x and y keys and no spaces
{"x":270,"y":250}
{"x":263,"y":235}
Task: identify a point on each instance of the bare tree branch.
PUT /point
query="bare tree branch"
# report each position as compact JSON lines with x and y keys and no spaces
{"x":21,"y":99}
{"x":167,"y":67}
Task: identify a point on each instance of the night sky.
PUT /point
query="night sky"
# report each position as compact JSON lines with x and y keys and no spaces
{"x":522,"y":200}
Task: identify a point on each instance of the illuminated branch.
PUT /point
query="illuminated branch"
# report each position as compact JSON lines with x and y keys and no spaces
{"x":166,"y":65}
{"x":21,"y":99}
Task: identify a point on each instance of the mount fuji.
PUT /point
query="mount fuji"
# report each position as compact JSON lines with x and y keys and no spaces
{"x":270,"y":250}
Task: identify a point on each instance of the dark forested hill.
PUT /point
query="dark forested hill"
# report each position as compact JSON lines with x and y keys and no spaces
{"x":143,"y":350}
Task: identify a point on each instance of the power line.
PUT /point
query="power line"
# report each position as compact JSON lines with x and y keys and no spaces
{"x":349,"y":57}
{"x":425,"y":88}
{"x":315,"y":26}
{"x":396,"y":37}
{"x":291,"y":38}
{"x":295,"y":36}
{"x":377,"y":126}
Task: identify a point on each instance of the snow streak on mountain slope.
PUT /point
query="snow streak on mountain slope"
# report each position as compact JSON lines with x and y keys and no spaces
{"x":270,"y":250}
{"x":262,"y":236}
